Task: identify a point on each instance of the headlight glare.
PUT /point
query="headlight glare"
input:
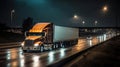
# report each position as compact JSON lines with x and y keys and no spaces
{"x":22,"y":44}
{"x":36,"y":44}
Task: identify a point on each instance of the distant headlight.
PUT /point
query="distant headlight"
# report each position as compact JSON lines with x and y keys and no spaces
{"x":89,"y":38}
{"x":22,"y":44}
{"x":36,"y":45}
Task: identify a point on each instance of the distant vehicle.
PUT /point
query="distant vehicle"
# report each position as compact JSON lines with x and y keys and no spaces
{"x":89,"y":37}
{"x":47,"y":36}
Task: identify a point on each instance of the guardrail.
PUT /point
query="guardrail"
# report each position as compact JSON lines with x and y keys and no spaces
{"x":9,"y":45}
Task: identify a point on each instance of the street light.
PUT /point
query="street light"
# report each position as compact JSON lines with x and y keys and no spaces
{"x":12,"y":11}
{"x":75,"y":16}
{"x":83,"y":23}
{"x":105,"y":8}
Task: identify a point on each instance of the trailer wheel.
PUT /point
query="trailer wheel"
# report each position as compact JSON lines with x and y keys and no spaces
{"x":27,"y":50}
{"x":51,"y":48}
{"x":61,"y":45}
{"x":56,"y":45}
{"x":41,"y":48}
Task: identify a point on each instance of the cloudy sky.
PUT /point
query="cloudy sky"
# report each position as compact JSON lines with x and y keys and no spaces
{"x":60,"y":12}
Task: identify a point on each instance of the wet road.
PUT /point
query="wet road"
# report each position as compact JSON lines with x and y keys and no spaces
{"x":16,"y":58}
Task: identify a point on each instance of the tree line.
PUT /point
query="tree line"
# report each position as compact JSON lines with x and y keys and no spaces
{"x":26,"y":25}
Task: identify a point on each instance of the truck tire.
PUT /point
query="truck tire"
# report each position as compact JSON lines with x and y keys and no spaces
{"x":41,"y":48}
{"x":54,"y":46}
{"x":24,"y":50}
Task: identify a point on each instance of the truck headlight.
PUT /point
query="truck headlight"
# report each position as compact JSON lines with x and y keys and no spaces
{"x":36,"y":45}
{"x":22,"y":44}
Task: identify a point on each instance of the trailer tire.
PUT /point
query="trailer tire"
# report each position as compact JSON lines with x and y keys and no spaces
{"x":56,"y":45}
{"x":51,"y":48}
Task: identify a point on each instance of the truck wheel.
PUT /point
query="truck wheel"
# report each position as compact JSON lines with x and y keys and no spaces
{"x":54,"y":46}
{"x":24,"y":50}
{"x":41,"y":49}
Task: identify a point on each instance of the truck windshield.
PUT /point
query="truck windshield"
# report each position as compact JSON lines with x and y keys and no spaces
{"x":35,"y":34}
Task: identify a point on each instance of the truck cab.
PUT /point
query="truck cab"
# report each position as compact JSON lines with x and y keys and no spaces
{"x":33,"y":41}
{"x":36,"y":37}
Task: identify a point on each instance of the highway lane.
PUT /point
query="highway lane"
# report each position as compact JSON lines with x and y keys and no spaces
{"x":16,"y":58}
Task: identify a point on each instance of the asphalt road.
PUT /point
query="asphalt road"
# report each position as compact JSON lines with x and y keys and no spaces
{"x":105,"y":55}
{"x":15,"y":57}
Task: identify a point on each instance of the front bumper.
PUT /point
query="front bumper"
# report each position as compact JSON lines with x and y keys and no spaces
{"x":31,"y":48}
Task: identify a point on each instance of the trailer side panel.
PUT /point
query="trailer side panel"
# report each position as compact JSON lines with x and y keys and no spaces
{"x":65,"y":33}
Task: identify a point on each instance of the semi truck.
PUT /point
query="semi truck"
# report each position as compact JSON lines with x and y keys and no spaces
{"x":47,"y":36}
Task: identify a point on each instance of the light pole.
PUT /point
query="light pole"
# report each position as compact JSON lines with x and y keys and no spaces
{"x":105,"y":9}
{"x":12,"y":11}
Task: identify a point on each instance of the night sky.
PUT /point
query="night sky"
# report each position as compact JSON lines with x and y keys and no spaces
{"x":61,"y":12}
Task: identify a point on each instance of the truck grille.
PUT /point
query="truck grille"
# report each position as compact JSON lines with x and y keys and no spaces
{"x":29,"y":43}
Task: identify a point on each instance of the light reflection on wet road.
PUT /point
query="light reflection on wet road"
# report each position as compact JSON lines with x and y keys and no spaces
{"x":16,"y":58}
